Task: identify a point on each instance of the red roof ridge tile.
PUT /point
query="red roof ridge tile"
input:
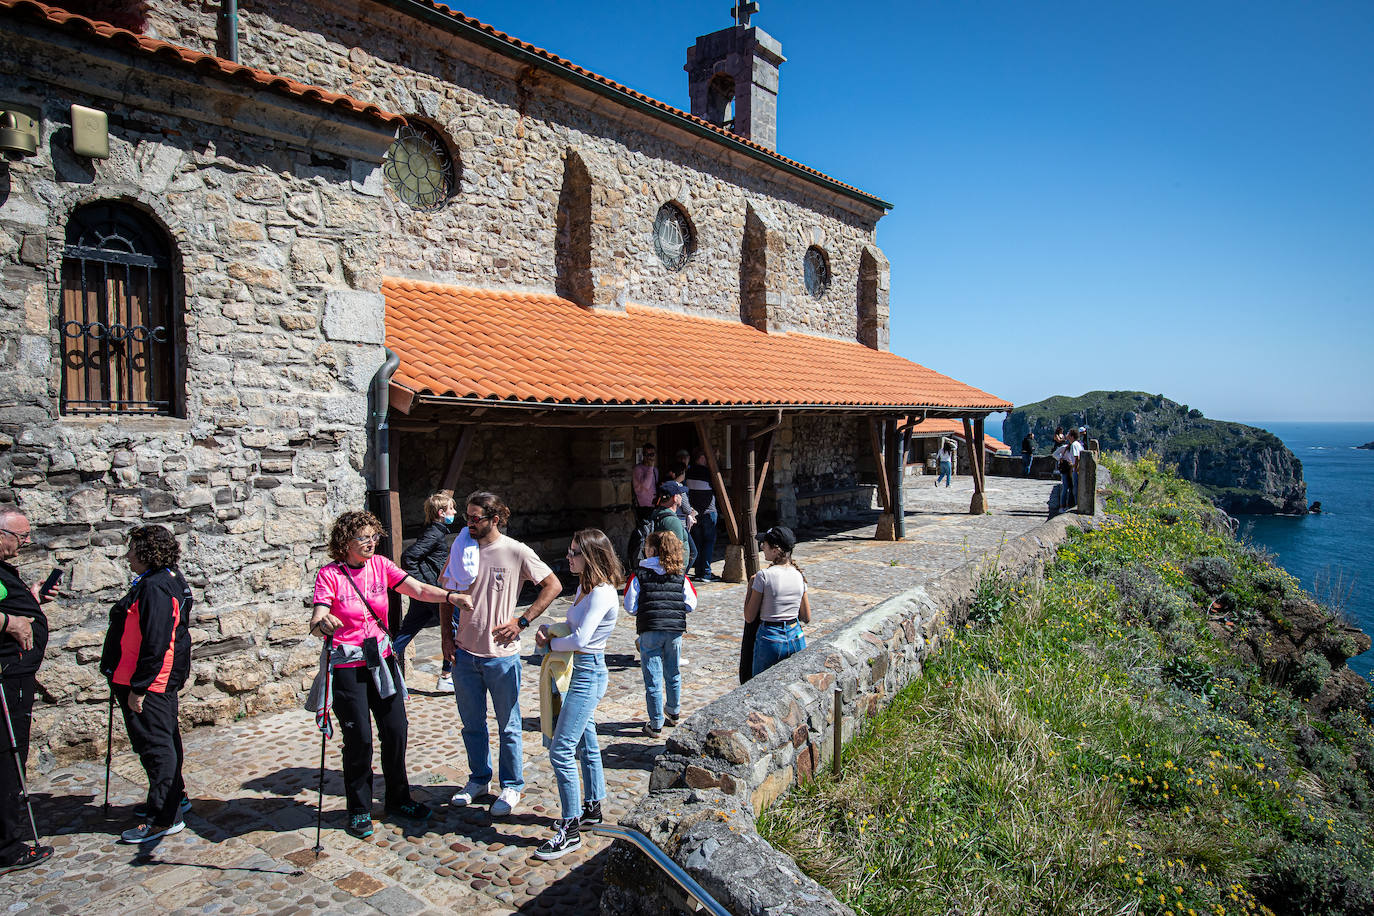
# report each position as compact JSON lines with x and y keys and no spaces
{"x":200,"y":61}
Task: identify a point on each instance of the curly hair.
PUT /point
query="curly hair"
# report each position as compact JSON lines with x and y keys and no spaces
{"x":155,"y":546}
{"x":600,"y":565}
{"x":346,"y":528}
{"x":668,"y":548}
{"x":490,"y":504}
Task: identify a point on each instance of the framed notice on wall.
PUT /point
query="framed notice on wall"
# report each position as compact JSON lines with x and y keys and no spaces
{"x":617,"y":448}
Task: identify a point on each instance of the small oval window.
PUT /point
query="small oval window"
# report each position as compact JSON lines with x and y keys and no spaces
{"x":419,"y":169}
{"x":817,"y":271}
{"x":673,"y":241}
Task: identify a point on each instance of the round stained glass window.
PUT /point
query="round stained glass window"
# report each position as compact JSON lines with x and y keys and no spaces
{"x":418,"y":168}
{"x":817,"y":269}
{"x":672,"y":237}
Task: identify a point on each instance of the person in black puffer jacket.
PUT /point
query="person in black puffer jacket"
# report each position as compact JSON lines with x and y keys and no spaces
{"x":425,"y":560}
{"x":659,"y":597}
{"x":147,"y":657}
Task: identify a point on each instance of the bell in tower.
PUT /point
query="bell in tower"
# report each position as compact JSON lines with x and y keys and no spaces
{"x":732,"y":76}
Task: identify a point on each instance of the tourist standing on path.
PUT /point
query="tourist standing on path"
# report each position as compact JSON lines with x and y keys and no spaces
{"x":23,"y":639}
{"x":1027,"y":454}
{"x":1066,"y":462}
{"x":425,"y":560}
{"x":350,"y":607}
{"x":659,"y":597}
{"x":702,"y":497}
{"x":644,"y":481}
{"x":945,"y":458}
{"x":146,"y":658}
{"x":590,"y":619}
{"x":777,"y":599}
{"x":665,"y":517}
{"x":484,"y":643}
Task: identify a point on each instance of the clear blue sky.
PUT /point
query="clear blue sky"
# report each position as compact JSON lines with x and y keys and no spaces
{"x":1169,"y":196}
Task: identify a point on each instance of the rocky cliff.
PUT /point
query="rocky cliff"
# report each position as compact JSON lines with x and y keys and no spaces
{"x":1244,"y":469}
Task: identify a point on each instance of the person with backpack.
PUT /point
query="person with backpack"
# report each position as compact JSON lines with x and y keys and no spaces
{"x":659,"y":597}
{"x":350,"y":607}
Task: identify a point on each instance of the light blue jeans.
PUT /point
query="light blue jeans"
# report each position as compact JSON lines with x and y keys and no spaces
{"x":946,"y":473}
{"x":574,"y":737}
{"x":660,"y":650}
{"x":475,"y":676}
{"x":776,"y":642}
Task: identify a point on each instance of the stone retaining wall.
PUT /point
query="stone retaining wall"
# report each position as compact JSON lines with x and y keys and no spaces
{"x":731,"y":760}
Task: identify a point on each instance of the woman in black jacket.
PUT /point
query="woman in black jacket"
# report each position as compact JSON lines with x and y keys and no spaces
{"x":425,"y":560}
{"x":147,"y":657}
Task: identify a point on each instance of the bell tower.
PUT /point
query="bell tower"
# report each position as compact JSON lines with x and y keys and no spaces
{"x":732,"y":76}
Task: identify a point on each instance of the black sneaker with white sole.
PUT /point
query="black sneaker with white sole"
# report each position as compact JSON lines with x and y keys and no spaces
{"x":591,"y":813}
{"x":566,"y":837}
{"x":31,"y":856}
{"x":146,"y":833}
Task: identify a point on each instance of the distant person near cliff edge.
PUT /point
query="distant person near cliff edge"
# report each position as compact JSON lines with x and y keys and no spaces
{"x":1027,"y":454}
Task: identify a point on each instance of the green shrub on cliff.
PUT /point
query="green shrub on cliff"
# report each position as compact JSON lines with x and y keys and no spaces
{"x":1113,"y":739}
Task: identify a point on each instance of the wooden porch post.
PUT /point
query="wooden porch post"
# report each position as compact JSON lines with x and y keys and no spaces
{"x":750,"y":521}
{"x":393,"y":502}
{"x":979,"y":503}
{"x":877,"y":432}
{"x":734,"y":561}
{"x":896,"y":463}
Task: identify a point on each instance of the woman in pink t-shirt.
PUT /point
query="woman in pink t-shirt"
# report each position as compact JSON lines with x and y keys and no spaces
{"x":350,"y":608}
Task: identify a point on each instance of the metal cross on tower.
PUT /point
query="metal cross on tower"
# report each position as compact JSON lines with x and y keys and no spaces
{"x":743,"y":10}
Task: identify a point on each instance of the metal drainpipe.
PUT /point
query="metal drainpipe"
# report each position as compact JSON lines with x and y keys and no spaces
{"x":378,"y":467}
{"x":231,"y":29}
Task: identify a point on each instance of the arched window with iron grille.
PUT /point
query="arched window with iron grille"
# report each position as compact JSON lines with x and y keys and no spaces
{"x":123,"y":346}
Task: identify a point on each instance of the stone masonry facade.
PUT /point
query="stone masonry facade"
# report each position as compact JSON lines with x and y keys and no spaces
{"x":282,"y":227}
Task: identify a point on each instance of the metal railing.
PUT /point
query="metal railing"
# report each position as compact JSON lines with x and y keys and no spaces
{"x":660,"y":858}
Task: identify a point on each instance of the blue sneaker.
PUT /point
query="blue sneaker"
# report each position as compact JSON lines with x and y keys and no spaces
{"x":360,"y":826}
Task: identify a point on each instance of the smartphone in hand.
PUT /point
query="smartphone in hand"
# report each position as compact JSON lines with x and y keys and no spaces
{"x":50,"y":584}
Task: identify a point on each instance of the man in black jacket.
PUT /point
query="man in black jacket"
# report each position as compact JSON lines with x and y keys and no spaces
{"x":23,"y":637}
{"x":1027,"y":454}
{"x":147,"y":658}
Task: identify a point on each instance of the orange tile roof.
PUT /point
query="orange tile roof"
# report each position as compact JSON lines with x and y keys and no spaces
{"x":509,"y":44}
{"x":167,"y":52}
{"x":936,"y":426}
{"x":539,"y":348}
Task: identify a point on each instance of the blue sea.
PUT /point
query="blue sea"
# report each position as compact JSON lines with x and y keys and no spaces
{"x":1332,"y":554}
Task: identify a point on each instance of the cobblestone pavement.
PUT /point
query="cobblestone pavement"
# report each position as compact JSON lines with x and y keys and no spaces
{"x":247,"y":846}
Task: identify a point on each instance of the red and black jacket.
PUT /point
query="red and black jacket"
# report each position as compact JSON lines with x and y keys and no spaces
{"x":148,"y":647}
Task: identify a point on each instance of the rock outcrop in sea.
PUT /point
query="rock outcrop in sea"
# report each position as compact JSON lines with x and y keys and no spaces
{"x":1243,"y":469}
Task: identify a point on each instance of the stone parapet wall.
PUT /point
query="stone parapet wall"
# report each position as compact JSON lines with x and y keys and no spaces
{"x":275,"y":263}
{"x":730,"y":761}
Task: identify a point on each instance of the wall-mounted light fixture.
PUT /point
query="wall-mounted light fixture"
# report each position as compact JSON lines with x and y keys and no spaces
{"x":90,"y":132}
{"x":18,"y":130}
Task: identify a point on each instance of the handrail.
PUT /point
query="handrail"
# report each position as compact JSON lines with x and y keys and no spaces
{"x":661,"y":859}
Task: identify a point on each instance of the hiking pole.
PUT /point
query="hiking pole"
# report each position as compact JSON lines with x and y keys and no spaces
{"x":326,"y":729}
{"x":109,"y":745}
{"x":18,"y":764}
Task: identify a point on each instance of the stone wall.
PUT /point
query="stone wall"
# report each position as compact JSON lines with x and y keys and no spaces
{"x":513,"y":128}
{"x":269,"y":210}
{"x":824,"y":469}
{"x":730,"y":761}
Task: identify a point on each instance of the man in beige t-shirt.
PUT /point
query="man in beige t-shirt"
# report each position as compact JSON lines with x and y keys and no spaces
{"x":484,"y":646}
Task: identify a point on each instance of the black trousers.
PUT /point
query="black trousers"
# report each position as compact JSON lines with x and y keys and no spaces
{"x":156,"y":738}
{"x":15,"y":833}
{"x":356,"y":703}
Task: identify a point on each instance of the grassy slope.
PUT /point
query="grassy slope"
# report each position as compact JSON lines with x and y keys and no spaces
{"x":1088,"y":745}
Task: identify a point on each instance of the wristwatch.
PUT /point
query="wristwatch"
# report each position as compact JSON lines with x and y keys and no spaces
{"x":522,"y":623}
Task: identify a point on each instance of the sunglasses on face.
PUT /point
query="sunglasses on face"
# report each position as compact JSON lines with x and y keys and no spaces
{"x":574,"y":552}
{"x":24,"y":538}
{"x":474,"y":519}
{"x":365,"y":539}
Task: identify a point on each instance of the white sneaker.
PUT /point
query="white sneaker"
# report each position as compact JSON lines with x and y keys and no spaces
{"x":505,"y":803}
{"x":445,"y":682}
{"x":469,"y":793}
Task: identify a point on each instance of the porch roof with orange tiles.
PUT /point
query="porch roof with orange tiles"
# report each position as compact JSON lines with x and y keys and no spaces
{"x":528,"y":349}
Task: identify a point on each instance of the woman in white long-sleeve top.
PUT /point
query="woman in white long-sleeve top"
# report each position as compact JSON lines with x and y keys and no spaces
{"x":591,"y":619}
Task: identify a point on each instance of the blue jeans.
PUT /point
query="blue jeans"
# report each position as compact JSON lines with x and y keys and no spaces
{"x":946,"y":474}
{"x":775,"y":642}
{"x":1026,"y":461}
{"x":1068,"y":496}
{"x":660,"y":650}
{"x":704,"y":539}
{"x":574,"y":737}
{"x":474,"y":676}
